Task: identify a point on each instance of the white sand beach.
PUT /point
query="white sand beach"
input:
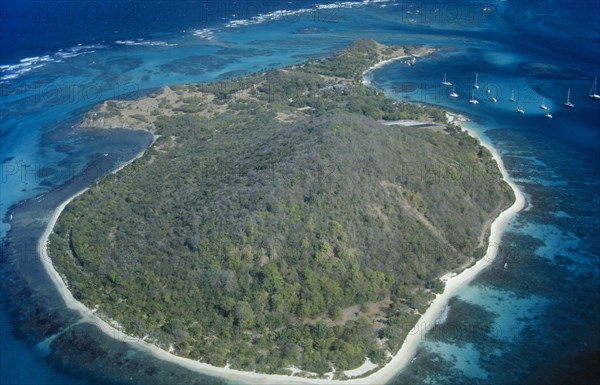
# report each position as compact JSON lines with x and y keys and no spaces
{"x":396,"y":364}
{"x":366,"y":80}
{"x":411,"y":59}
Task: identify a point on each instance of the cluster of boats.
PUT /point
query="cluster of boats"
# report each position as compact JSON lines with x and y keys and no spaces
{"x":593,"y":94}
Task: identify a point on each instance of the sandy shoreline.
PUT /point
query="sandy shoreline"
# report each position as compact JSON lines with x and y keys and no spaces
{"x":394,"y":366}
{"x":366,"y":81}
{"x":412,"y":58}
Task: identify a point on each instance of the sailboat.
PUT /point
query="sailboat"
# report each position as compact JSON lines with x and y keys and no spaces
{"x":543,"y":106}
{"x":548,"y":115}
{"x":593,"y":93}
{"x":568,"y":102}
{"x":445,"y":81}
{"x":476,"y":85}
{"x":492,"y":97}
{"x":453,"y":93}
{"x":512,"y":97}
{"x":520,"y":109}
{"x":473,"y":100}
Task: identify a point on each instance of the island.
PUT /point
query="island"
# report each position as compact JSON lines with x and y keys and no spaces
{"x":284,"y":223}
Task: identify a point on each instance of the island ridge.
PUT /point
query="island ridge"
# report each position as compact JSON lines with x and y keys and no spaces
{"x":276,"y":225}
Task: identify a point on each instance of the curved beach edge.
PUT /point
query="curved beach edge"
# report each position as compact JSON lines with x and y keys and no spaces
{"x":398,"y":362}
{"x":392,"y":368}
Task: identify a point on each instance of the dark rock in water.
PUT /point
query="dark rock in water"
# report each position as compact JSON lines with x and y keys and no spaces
{"x":551,"y":71}
{"x":195,"y":65}
{"x":125,"y":63}
{"x":232,"y":74}
{"x":404,"y":87}
{"x":310,"y":30}
{"x":64,"y":148}
{"x":46,"y":172}
{"x":240,"y":52}
{"x":466,"y":322}
{"x":46,"y":183}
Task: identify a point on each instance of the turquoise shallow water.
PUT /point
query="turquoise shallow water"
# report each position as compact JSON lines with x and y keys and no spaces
{"x":546,"y":299}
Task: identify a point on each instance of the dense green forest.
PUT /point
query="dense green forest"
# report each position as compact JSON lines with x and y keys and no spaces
{"x":276,"y":222}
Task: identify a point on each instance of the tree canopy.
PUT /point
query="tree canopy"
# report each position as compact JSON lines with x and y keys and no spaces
{"x":282,"y":225}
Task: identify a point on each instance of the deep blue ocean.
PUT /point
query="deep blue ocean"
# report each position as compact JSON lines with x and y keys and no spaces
{"x":532,"y":318}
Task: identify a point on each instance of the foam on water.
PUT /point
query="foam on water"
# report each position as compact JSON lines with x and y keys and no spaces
{"x":15,"y":71}
{"x":443,"y":317}
{"x":147,"y":43}
{"x":205,"y":33}
{"x":294,"y":14}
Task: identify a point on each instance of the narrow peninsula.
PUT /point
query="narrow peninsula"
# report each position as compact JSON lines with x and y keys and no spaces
{"x":277,"y":225}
